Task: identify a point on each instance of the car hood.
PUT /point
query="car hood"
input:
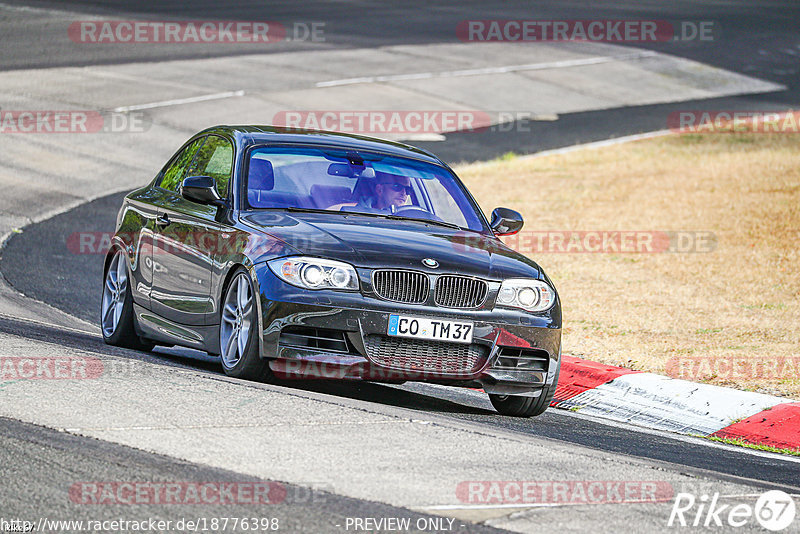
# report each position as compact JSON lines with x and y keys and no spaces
{"x":372,"y":242}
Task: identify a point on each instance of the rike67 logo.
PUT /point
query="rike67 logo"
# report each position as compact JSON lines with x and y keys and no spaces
{"x":774,"y":510}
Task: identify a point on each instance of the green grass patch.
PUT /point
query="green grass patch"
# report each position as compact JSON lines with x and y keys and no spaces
{"x":756,"y":446}
{"x":508,"y":156}
{"x":707,"y":330}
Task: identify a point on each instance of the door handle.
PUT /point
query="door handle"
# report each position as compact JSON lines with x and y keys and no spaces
{"x":163,"y":221}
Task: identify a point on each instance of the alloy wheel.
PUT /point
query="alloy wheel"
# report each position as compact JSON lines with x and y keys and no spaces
{"x":114,"y":294}
{"x":237,"y":310}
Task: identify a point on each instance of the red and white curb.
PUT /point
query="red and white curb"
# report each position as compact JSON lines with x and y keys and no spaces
{"x":663,"y":403}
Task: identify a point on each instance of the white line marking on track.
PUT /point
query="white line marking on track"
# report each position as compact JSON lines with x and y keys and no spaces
{"x":585,"y":146}
{"x":489,"y":70}
{"x":429,"y":137}
{"x":50,"y":325}
{"x":598,"y":144}
{"x":30,"y":9}
{"x":179,"y":101}
{"x":242,"y":425}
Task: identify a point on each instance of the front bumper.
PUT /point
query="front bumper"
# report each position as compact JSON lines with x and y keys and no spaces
{"x":363,"y":320}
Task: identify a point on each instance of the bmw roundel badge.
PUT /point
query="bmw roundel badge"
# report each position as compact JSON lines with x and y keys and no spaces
{"x":430,"y":262}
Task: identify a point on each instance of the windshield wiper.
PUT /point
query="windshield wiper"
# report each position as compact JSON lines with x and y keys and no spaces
{"x":306,"y":210}
{"x":320,"y":210}
{"x":429,"y":221}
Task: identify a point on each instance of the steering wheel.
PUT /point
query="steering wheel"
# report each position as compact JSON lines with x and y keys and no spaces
{"x":408,"y":209}
{"x":416,"y":212}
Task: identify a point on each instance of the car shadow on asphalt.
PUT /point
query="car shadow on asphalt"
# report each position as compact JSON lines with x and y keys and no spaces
{"x":200,"y":361}
{"x":351,"y":389}
{"x":383,"y":394}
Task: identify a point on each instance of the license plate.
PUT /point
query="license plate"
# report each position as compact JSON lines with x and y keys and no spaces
{"x":435,"y":329}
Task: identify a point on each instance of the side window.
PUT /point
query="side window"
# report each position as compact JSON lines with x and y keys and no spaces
{"x":215,"y":159}
{"x":176,"y":170}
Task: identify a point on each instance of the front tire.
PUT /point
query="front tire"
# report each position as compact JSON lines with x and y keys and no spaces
{"x":116,"y":308}
{"x":518,"y":406}
{"x":238,"y":330}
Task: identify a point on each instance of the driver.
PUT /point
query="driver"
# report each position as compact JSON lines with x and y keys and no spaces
{"x":388,"y":191}
{"x":391,"y":190}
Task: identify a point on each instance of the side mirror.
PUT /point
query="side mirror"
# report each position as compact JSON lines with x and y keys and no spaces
{"x":506,"y":221}
{"x":201,"y":189}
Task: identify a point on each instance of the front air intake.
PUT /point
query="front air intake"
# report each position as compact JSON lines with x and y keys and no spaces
{"x":314,"y":338}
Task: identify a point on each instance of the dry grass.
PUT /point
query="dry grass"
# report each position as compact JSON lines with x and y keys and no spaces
{"x":642,"y":310}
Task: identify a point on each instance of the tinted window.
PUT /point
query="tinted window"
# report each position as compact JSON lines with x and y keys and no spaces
{"x":215,"y":159}
{"x":177,"y":168}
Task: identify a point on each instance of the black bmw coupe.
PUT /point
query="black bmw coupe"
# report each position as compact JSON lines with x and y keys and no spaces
{"x":305,"y":254}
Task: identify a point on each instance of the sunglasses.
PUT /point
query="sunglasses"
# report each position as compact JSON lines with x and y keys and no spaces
{"x":398,"y":187}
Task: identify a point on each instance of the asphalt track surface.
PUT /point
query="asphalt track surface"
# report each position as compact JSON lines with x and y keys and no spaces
{"x":754,"y":38}
{"x":757,"y":39}
{"x":25,"y":259}
{"x":51,"y":462}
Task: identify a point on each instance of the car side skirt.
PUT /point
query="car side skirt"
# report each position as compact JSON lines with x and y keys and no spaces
{"x":160,"y":330}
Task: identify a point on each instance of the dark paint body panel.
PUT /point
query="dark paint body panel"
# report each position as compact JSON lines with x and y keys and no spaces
{"x":372,"y":242}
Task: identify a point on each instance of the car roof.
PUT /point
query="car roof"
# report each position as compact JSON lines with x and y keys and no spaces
{"x":254,"y":134}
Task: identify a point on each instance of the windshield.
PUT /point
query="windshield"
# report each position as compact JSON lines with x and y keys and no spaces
{"x":357,"y":182}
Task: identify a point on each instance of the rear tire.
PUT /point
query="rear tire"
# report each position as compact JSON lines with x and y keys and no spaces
{"x":238,"y":330}
{"x":116,"y":307}
{"x":519,"y":406}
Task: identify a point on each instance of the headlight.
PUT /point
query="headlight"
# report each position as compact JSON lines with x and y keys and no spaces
{"x":528,"y":294}
{"x":315,"y":273}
